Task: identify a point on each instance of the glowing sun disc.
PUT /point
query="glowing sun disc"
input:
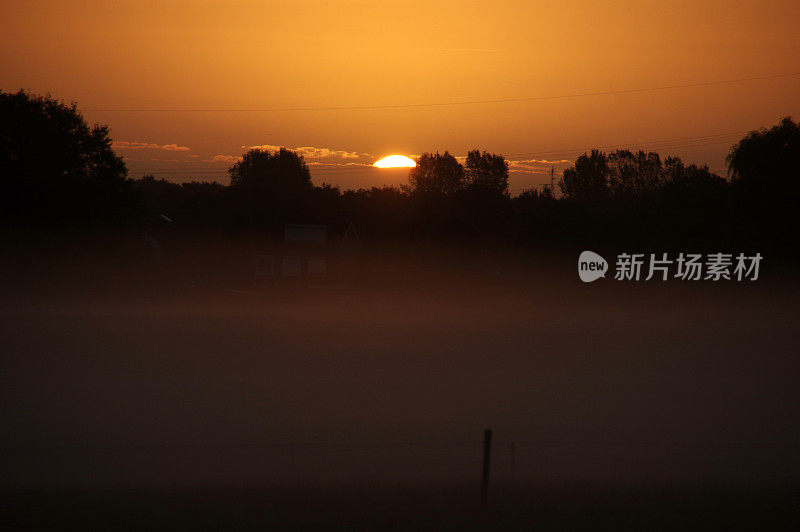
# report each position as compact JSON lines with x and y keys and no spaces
{"x":395,"y":161}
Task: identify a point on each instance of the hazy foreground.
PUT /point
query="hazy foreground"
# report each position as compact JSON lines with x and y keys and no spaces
{"x":613,"y":395}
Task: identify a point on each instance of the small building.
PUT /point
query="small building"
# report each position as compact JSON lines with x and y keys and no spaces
{"x":310,"y":254}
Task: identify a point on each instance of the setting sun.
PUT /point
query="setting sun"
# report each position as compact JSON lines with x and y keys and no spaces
{"x":395,"y":161}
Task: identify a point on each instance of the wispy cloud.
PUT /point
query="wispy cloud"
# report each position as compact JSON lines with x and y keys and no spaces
{"x":311,"y":152}
{"x":224,"y":159}
{"x":338,"y":165}
{"x":545,"y":162}
{"x":537,"y":164}
{"x":323,"y":153}
{"x":130,"y":145}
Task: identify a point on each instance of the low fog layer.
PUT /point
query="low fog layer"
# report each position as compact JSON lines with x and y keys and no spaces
{"x":392,"y":376}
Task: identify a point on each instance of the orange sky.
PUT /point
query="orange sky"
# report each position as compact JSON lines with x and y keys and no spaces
{"x":213,"y":55}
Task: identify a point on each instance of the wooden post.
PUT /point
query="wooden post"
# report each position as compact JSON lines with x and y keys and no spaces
{"x":513,"y":462}
{"x":487,"y":455}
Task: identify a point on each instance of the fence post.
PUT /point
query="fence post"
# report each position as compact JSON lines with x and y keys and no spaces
{"x":487,"y":455}
{"x":513,"y":462}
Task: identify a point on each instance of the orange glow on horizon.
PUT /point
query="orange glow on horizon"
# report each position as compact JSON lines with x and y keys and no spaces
{"x":341,"y":84}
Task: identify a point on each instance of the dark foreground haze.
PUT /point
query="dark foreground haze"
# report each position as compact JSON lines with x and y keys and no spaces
{"x":177,"y":394}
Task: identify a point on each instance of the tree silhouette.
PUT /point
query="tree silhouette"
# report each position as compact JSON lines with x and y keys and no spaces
{"x":625,"y":174}
{"x":674,"y":172}
{"x":56,"y":168}
{"x":53,"y":166}
{"x":764,"y":167}
{"x":436,"y":174}
{"x":767,"y":162}
{"x":587,"y":179}
{"x":487,"y":172}
{"x":634,"y":173}
{"x":281,"y":173}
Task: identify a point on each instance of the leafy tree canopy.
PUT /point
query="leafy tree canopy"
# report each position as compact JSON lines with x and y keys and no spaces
{"x":487,"y":171}
{"x":767,"y":161}
{"x":436,"y":174}
{"x":55,"y":166}
{"x":281,"y":173}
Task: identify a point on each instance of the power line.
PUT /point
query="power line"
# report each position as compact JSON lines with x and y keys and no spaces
{"x":659,"y":145}
{"x":671,"y":143}
{"x":445,"y":104}
{"x":363,"y":170}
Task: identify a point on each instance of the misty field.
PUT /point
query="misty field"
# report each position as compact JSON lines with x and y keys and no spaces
{"x":370,"y":399}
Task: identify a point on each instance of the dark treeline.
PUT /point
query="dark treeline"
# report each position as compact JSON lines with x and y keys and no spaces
{"x":56,"y":171}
